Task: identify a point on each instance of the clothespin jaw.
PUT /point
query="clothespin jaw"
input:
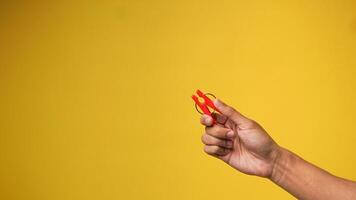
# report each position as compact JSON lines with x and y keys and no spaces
{"x":207,"y":100}
{"x":204,"y":105}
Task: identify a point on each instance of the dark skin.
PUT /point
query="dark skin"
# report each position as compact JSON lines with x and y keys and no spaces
{"x":244,"y":145}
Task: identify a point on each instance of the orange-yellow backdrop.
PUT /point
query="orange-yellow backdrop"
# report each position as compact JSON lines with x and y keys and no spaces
{"x":95,"y":95}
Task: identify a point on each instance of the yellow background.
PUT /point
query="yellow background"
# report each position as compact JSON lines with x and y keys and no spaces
{"x":95,"y":95}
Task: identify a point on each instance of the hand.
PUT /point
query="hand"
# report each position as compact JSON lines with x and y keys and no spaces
{"x":239,"y":141}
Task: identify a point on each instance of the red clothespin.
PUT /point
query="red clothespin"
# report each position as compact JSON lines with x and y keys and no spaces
{"x":204,"y":105}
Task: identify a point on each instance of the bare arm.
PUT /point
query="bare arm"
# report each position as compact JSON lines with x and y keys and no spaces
{"x":307,"y":181}
{"x":244,"y":145}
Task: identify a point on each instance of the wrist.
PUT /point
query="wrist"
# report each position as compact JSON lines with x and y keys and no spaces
{"x":282,"y":163}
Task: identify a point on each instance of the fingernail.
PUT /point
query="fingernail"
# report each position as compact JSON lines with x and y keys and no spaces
{"x":217,"y":103}
{"x":229,"y":143}
{"x":208,"y":120}
{"x":230,"y":134}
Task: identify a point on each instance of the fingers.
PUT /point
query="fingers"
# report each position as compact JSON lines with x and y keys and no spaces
{"x":221,"y":119}
{"x":216,"y":130}
{"x":213,"y":141}
{"x":220,"y":132}
{"x":216,"y":150}
{"x":230,"y":112}
{"x":206,"y":120}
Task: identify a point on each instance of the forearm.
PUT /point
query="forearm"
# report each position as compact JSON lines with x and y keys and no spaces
{"x":306,"y":181}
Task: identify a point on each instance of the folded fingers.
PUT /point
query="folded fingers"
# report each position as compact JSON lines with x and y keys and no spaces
{"x":216,"y":150}
{"x":220,"y":132}
{"x":213,"y":141}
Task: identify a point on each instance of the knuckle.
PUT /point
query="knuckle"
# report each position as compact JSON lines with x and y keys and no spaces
{"x":225,"y":134}
{"x":222,"y":151}
{"x":224,"y":143}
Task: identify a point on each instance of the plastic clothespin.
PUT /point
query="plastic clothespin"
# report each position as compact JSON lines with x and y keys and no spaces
{"x":204,"y":105}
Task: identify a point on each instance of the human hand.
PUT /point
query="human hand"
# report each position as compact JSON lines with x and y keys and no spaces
{"x":240,"y":142}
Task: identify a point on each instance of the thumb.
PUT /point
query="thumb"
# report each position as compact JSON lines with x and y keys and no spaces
{"x":230,"y":112}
